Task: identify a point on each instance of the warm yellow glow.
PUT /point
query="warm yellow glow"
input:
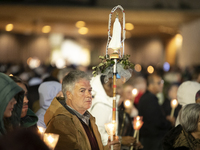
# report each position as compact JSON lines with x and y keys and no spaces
{"x":137,"y":118}
{"x":11,"y":75}
{"x":150,"y":69}
{"x":129,"y":26}
{"x":74,"y":53}
{"x":83,"y":30}
{"x":41,"y":129}
{"x":46,"y":29}
{"x":110,"y":128}
{"x":60,"y":63}
{"x":179,"y":39}
{"x":127,"y":103}
{"x":51,"y":139}
{"x":80,"y":24}
{"x":134,"y":92}
{"x":138,"y":67}
{"x":9,"y":27}
{"x":33,"y":62}
{"x":137,"y":124}
{"x":174,"y":103}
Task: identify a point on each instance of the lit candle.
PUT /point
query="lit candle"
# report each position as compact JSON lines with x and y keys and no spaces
{"x":127,"y":103}
{"x":41,"y":131}
{"x":174,"y":104}
{"x":137,"y":124}
{"x":51,"y":140}
{"x":111,"y":129}
{"x":134,"y":92}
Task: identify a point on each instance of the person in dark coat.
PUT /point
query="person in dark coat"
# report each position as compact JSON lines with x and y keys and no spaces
{"x":156,"y":124}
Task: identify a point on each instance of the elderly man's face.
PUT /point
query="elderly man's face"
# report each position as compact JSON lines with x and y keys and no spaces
{"x":81,"y":98}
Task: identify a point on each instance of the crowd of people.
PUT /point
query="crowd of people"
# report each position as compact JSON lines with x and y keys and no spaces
{"x":76,"y":106}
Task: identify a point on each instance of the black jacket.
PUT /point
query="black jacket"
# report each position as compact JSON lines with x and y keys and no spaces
{"x":170,"y":138}
{"x":155,"y":123}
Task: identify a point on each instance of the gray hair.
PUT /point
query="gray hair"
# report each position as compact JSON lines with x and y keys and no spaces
{"x":71,"y":79}
{"x":189,"y":117}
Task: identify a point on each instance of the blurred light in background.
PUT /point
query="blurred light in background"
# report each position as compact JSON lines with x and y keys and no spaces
{"x":129,"y":26}
{"x":33,"y":62}
{"x":83,"y":30}
{"x":55,"y":55}
{"x":73,"y":53}
{"x":46,"y":29}
{"x":56,"y":39}
{"x":179,"y":39}
{"x":138,"y":67}
{"x":9,"y":27}
{"x":166,"y":66}
{"x":60,"y":63}
{"x":80,"y":24}
{"x":150,"y":69}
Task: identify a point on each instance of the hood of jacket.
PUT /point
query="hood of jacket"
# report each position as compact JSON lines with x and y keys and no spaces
{"x":8,"y":90}
{"x":187,"y":92}
{"x":29,"y":120}
{"x":47,"y":91}
{"x":99,"y":94}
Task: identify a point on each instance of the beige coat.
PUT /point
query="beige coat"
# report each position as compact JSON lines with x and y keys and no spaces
{"x":72,"y":134}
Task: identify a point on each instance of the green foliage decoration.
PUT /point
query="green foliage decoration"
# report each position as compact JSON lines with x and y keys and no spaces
{"x":107,"y":62}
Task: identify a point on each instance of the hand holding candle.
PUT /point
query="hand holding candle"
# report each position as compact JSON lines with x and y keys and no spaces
{"x":174,"y":104}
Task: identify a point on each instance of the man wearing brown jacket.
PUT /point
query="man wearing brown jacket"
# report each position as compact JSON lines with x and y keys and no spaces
{"x":71,"y":120}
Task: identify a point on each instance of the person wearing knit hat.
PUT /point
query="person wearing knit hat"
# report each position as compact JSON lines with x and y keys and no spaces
{"x":187,"y":93}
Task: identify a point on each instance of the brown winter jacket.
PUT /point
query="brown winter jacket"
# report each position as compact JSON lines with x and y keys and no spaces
{"x":72,"y":134}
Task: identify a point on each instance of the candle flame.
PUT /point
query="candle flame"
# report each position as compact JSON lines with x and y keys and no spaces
{"x":134,"y":91}
{"x":174,"y":103}
{"x":138,"y":118}
{"x":110,"y":128}
{"x":41,"y":129}
{"x":127,"y":103}
{"x":50,"y":139}
{"x":138,"y":123}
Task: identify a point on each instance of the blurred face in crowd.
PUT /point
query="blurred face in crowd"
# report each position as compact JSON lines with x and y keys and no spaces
{"x":10,"y":107}
{"x":172,"y":94}
{"x":127,"y":92}
{"x":25,"y":100}
{"x":108,"y":87}
{"x":80,"y":98}
{"x":157,"y":84}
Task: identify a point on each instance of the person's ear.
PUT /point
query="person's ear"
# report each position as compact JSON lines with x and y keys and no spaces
{"x":69,"y":95}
